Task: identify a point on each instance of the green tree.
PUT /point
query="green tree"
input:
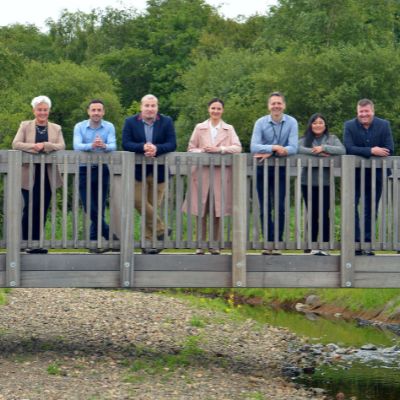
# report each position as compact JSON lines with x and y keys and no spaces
{"x":69,"y":86}
{"x":27,"y":41}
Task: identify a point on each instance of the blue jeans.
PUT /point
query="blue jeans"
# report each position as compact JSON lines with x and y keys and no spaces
{"x":271,"y":200}
{"x":94,"y":199}
{"x":368,"y":198}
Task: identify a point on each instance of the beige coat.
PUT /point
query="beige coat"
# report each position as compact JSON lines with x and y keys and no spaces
{"x":25,"y":139}
{"x":229,"y":142}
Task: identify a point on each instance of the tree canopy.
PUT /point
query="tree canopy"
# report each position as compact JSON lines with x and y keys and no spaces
{"x":323,"y":55}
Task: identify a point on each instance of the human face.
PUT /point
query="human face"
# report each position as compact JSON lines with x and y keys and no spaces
{"x":96,"y":112}
{"x":41,"y":113}
{"x":276,"y":107}
{"x":318,"y":127}
{"x":149,"y":109}
{"x":215,"y":110}
{"x":365,"y":115}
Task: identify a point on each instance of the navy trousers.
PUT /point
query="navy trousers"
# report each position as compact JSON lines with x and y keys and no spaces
{"x":271,"y":200}
{"x":94,"y":199}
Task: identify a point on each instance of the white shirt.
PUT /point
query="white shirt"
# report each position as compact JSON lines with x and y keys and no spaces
{"x":214,"y":131}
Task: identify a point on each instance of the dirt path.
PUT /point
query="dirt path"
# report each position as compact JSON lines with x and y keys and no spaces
{"x":103,"y":344}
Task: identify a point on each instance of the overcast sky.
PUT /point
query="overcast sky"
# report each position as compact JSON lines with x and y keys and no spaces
{"x":36,"y":12}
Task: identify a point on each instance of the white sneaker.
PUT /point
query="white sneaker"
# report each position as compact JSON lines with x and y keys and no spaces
{"x":319,"y":253}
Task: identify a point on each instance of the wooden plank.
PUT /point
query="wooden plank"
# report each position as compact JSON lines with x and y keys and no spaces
{"x":377,"y":280}
{"x":70,"y":262}
{"x":347,"y":221}
{"x":182,"y":279}
{"x":378,"y":264}
{"x":78,"y":279}
{"x":239,"y":210}
{"x":13,"y":214}
{"x":183,"y":262}
{"x":293,"y":279}
{"x":289,"y":263}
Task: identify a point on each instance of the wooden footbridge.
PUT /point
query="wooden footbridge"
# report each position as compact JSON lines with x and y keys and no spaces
{"x":69,"y":264}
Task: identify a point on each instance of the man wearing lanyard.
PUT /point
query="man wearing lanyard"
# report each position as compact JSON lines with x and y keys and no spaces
{"x":366,"y":136}
{"x":95,"y":135}
{"x":276,"y":135}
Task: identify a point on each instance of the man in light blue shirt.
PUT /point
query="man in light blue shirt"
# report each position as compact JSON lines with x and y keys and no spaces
{"x":276,"y":135}
{"x":95,"y":135}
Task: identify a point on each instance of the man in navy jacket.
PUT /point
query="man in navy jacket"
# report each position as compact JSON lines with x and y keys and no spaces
{"x":151,"y":134}
{"x":367,"y":136}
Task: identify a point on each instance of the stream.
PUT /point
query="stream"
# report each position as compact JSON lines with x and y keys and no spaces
{"x":362,"y":362}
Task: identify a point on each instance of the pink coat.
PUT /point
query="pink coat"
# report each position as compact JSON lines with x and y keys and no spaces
{"x":226,"y":139}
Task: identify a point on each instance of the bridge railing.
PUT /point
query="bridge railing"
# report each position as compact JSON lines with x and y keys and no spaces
{"x":241,"y":234}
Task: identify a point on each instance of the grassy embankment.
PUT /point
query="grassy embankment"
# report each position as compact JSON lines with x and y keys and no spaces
{"x":354,"y":300}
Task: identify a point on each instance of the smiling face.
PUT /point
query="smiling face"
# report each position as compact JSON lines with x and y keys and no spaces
{"x":41,"y":112}
{"x":365,"y":114}
{"x":318,"y":127}
{"x":276,"y":106}
{"x":215,"y":110}
{"x":96,"y":112}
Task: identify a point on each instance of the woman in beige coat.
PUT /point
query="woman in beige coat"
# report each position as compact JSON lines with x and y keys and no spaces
{"x":38,"y":136}
{"x":212,"y":136}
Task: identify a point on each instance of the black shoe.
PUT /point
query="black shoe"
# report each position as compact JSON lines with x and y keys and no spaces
{"x":161,"y":236}
{"x":364,"y":253}
{"x":37,"y":251}
{"x":151,"y":251}
{"x":98,"y":251}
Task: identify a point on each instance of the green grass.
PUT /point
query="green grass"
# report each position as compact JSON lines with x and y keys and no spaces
{"x":3,"y":295}
{"x":54,"y":369}
{"x":352,"y":299}
{"x":148,"y":363}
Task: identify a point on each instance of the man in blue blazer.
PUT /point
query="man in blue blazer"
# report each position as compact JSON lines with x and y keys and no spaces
{"x":367,"y":136}
{"x":151,"y":134}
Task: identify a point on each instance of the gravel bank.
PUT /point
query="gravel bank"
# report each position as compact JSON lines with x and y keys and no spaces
{"x":103,"y":344}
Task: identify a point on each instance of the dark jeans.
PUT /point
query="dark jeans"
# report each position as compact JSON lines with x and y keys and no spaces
{"x":316,"y":213}
{"x":367,"y":208}
{"x":271,"y":200}
{"x":35,"y":205}
{"x":94,"y":199}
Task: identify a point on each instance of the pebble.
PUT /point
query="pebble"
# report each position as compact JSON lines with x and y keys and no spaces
{"x":96,"y":336}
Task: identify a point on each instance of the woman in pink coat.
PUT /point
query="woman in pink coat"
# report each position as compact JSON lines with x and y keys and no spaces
{"x":212,"y":136}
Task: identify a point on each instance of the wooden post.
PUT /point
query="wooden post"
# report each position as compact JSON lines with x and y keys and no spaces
{"x":13,"y":258}
{"x":127,"y":220}
{"x":347,"y":258}
{"x":239,"y":220}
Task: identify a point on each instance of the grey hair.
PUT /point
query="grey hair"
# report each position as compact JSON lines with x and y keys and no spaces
{"x":40,"y":99}
{"x":149,"y":97}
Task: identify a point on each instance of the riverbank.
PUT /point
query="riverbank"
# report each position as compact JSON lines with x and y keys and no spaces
{"x":373,"y":305}
{"x":103,"y":344}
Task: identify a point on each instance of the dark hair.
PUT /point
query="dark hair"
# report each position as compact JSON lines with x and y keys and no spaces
{"x":215,"y":100}
{"x":277,"y":94}
{"x":365,"y":102}
{"x":309,"y":134}
{"x":95,"y":101}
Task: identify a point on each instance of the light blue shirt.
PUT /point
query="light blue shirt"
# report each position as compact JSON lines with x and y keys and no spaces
{"x":84,"y":135}
{"x":267,"y":132}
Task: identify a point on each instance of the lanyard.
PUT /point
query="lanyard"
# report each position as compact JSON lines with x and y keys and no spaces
{"x":277,"y":138}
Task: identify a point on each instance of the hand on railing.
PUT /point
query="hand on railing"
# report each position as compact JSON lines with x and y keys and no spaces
{"x":262,"y":156}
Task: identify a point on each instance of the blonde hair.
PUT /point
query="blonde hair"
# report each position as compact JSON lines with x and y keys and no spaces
{"x":40,"y":99}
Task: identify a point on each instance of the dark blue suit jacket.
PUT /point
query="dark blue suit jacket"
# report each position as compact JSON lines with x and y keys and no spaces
{"x":134,"y":139}
{"x":356,"y":140}
{"x":359,"y":143}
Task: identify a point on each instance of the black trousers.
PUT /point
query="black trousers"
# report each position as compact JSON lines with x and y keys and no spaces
{"x":36,"y":196}
{"x":316,"y":213}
